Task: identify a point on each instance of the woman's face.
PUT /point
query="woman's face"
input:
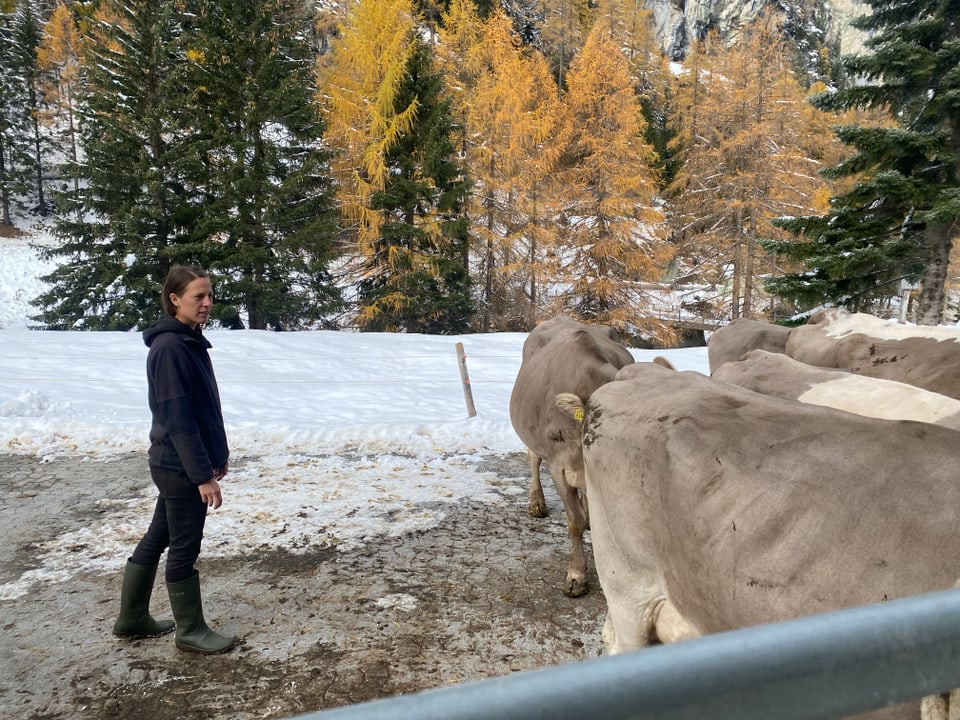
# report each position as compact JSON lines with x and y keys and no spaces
{"x":193,"y":307}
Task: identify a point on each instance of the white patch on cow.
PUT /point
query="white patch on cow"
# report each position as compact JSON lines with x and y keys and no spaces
{"x":883,"y":399}
{"x":840,"y":324}
{"x":400,"y":601}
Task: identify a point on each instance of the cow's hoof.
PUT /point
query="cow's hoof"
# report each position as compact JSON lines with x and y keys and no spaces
{"x":537,"y":510}
{"x":575,"y":588}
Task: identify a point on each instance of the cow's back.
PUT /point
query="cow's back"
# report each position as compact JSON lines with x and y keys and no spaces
{"x":782,"y":376}
{"x":926,"y":357}
{"x":755,"y":509}
{"x":572,"y":358}
{"x":738,"y":337}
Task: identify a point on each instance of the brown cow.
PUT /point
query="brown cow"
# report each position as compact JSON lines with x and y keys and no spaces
{"x":924,"y":356}
{"x":562,"y":355}
{"x":780,"y":375}
{"x":735,"y":508}
{"x":738,"y":337}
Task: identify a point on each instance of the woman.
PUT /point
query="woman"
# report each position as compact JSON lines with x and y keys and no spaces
{"x":188,"y":457}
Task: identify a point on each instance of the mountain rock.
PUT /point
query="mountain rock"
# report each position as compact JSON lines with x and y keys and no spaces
{"x":810,"y":22}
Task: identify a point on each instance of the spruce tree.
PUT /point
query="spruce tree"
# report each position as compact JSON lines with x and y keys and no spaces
{"x":15,"y":152}
{"x":900,"y":219}
{"x":417,"y":277}
{"x":26,"y":39}
{"x":116,"y":234}
{"x":261,"y":212}
{"x":201,"y":145}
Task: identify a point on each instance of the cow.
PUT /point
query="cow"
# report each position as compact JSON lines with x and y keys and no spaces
{"x":731,"y":341}
{"x":780,"y":375}
{"x":562,"y":355}
{"x":924,"y":356}
{"x":729,"y":508}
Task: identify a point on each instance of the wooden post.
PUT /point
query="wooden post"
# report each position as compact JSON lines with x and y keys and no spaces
{"x":465,"y":379}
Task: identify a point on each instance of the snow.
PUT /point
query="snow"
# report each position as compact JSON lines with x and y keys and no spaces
{"x":337,"y":438}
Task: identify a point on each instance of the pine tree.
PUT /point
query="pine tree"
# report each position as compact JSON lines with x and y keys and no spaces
{"x":261,"y":212}
{"x":901,"y":218}
{"x":417,"y":277}
{"x":116,"y":238}
{"x":608,"y":186}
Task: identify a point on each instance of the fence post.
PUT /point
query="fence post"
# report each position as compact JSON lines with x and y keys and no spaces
{"x":465,"y":379}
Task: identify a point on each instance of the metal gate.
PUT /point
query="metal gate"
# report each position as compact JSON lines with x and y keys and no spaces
{"x":817,"y":668}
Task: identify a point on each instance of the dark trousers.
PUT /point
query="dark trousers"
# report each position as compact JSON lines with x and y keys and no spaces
{"x":177,"y":524}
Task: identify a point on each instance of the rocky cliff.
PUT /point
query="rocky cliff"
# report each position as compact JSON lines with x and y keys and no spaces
{"x":814,"y":22}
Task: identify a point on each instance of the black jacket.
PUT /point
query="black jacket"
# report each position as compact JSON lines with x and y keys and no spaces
{"x":187,"y":431}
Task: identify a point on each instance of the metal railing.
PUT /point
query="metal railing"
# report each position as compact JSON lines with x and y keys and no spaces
{"x":816,"y":668}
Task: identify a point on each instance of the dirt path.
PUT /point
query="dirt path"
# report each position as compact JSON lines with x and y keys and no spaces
{"x":475,"y":597}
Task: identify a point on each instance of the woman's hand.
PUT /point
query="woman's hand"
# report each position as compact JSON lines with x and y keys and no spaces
{"x":210,"y":493}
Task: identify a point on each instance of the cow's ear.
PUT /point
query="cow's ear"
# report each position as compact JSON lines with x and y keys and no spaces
{"x":572,"y":405}
{"x":660,"y":360}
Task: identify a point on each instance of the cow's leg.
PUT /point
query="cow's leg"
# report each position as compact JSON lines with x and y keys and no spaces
{"x":670,"y":625}
{"x":630,"y":623}
{"x":934,"y":707}
{"x":575,"y":583}
{"x":537,"y":506}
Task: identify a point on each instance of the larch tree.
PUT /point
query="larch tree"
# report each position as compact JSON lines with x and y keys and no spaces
{"x":903,"y":215}
{"x":632,"y":25}
{"x":610,"y":239}
{"x":744,"y":160}
{"x":416,"y":279}
{"x":511,"y":112}
{"x":563,"y":29}
{"x":357,"y":85}
{"x":261,"y":210}
{"x":60,"y":59}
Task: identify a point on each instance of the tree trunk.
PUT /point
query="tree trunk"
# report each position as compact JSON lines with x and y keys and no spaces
{"x":737,"y":268}
{"x":748,"y":270}
{"x":4,"y":192}
{"x":933,"y":293}
{"x":37,"y":154}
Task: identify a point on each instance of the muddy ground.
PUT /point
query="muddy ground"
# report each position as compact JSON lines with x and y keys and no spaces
{"x":478,"y":596}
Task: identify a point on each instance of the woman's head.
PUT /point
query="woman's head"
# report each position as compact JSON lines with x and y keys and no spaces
{"x":188,"y":294}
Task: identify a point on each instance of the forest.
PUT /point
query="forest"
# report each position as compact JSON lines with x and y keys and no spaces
{"x":472,"y":166}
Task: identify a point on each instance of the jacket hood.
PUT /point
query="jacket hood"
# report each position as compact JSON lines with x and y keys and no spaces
{"x":172,"y":325}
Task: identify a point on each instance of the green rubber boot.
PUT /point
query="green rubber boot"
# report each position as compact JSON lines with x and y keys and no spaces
{"x":192,"y":631}
{"x":135,"y":620}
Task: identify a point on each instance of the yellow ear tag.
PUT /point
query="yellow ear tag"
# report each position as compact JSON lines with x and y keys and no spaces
{"x":578,"y":414}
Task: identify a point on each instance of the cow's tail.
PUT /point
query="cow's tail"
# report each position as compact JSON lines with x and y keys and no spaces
{"x":572,"y":405}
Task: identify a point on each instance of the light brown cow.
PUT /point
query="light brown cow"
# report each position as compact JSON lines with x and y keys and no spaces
{"x":736,"y":508}
{"x":927,"y":357}
{"x":562,"y":355}
{"x":738,"y":337}
{"x":780,"y":375}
